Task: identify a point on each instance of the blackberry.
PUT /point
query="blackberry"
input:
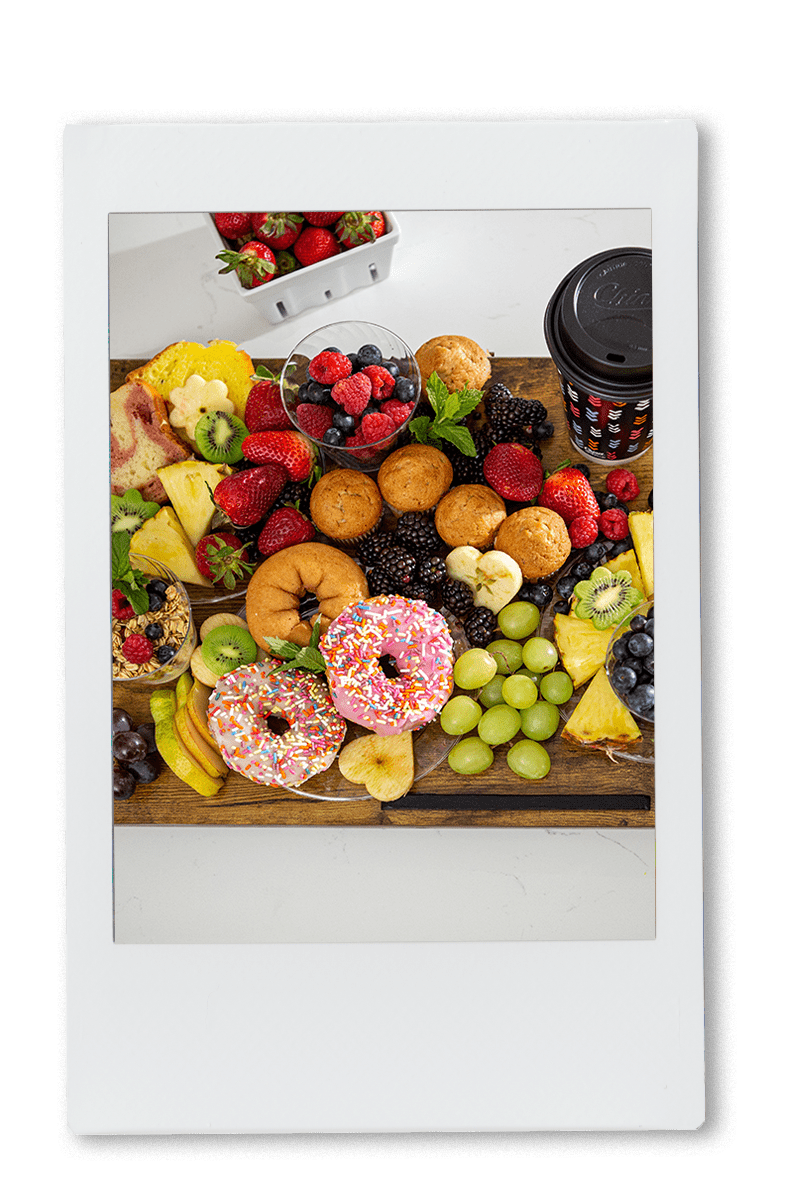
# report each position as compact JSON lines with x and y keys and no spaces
{"x":457,"y":597}
{"x":297,"y":495}
{"x":399,"y":565}
{"x":420,"y":591}
{"x":379,"y":583}
{"x":372,"y":547}
{"x":497,"y":391}
{"x":466,"y":469}
{"x":432,"y":571}
{"x":418,"y":534}
{"x":481,"y":627}
{"x":508,"y":416}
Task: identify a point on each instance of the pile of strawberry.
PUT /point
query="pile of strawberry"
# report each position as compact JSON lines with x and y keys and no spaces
{"x":263,"y":246}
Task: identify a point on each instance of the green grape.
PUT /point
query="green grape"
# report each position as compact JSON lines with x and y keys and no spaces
{"x":507,"y":655}
{"x":475,"y":668}
{"x":539,"y":655}
{"x":535,"y":676}
{"x":556,"y":687}
{"x":460,"y":715}
{"x":529,"y":760}
{"x":492,"y":692}
{"x":540,"y":721}
{"x":470,"y":756}
{"x":499,"y":724}
{"x":519,"y":691}
{"x":518,"y":620}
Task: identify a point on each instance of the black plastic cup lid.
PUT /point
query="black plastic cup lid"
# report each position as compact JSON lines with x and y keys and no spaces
{"x":600,"y":317}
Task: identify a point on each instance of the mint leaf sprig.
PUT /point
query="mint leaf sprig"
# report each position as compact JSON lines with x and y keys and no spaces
{"x":304,"y":658}
{"x":450,"y":409}
{"x":125,"y":577}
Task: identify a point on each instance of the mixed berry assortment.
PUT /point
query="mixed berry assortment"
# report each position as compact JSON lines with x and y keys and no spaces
{"x":633,"y":675}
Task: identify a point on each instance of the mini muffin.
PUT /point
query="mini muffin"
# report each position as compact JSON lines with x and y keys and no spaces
{"x":345,"y":505}
{"x":537,"y":539}
{"x":470,"y":515}
{"x":457,"y":361}
{"x":414,"y":478}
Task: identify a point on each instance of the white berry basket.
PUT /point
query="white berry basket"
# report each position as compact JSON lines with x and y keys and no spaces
{"x":310,"y":287}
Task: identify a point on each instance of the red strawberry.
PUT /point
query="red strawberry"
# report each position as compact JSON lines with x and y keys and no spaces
{"x":377,"y":426}
{"x":397,"y":410}
{"x":583,"y":531}
{"x":313,"y":245}
{"x":613,"y":523}
{"x":233,"y":225}
{"x":246,"y":496}
{"x":321,"y":218}
{"x":221,"y":557}
{"x":353,"y":394}
{"x":121,"y":608}
{"x":383,"y":383}
{"x":314,"y":419}
{"x":329,"y":367}
{"x":254,"y":264}
{"x":277,"y":230}
{"x":569,"y":493}
{"x":356,"y":228}
{"x":513,"y":471}
{"x":264,"y":408}
{"x":623,"y":484}
{"x":285,"y":527}
{"x":294,"y":452}
{"x":137,"y":649}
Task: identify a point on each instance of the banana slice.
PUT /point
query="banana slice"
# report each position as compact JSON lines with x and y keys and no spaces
{"x":214,"y":622}
{"x":200,"y":670}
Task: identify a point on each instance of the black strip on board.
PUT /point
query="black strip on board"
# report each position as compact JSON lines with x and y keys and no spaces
{"x":490,"y":802}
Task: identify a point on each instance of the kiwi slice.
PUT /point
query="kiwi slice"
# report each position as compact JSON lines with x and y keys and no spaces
{"x":228,"y":647}
{"x":129,"y":511}
{"x":606,"y":597}
{"x":219,"y":437}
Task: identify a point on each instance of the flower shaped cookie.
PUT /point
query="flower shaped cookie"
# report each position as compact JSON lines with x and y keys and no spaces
{"x":192,"y":401}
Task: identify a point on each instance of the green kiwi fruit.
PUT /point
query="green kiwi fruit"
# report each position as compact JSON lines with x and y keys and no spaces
{"x":228,"y":647}
{"x":606,"y":598}
{"x":129,"y":511}
{"x":220,"y":437}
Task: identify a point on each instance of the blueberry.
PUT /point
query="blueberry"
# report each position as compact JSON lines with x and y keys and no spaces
{"x":649,"y":663}
{"x":391,"y":366}
{"x":154,"y":631}
{"x":334,"y":436}
{"x":343,"y":421}
{"x":541,"y":594}
{"x":633,"y":663}
{"x":594,"y":552}
{"x":317,"y":393}
{"x":404,"y":390}
{"x":600,"y":497}
{"x":157,"y":585}
{"x":609,"y":501}
{"x":606,"y":544}
{"x":353,"y":359}
{"x":332,"y":350}
{"x":582,"y":569}
{"x":624,"y":679}
{"x":582,"y":467}
{"x":369,"y":355}
{"x":638,"y":624}
{"x":620,"y":547}
{"x":561,"y":606}
{"x":565,"y":587}
{"x":370,"y":411}
{"x":302,"y":393}
{"x":155,"y":601}
{"x":620,"y":648}
{"x":526,"y":592}
{"x":544,"y":431}
{"x":650,"y":627}
{"x":165,"y":653}
{"x":641,"y":645}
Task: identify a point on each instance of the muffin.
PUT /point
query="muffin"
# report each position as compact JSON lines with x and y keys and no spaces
{"x":457,"y":361}
{"x":537,"y":539}
{"x":414,"y":478}
{"x":345,"y":505}
{"x":470,"y":515}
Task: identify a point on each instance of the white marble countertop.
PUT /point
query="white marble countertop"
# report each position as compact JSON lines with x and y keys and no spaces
{"x":487,"y":276}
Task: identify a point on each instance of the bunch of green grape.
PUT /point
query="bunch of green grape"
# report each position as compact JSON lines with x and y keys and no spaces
{"x":519,"y":693}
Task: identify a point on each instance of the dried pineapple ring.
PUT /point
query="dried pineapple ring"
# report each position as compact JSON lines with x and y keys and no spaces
{"x":197,"y":397}
{"x":217,"y":620}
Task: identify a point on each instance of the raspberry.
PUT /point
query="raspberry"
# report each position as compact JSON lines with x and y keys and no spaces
{"x":613,"y":523}
{"x":623,"y":484}
{"x":583,"y":531}
{"x":353,"y":393}
{"x":398,"y":411}
{"x":329,"y":367}
{"x":137,"y":649}
{"x":314,"y":419}
{"x":376,"y":426}
{"x":120,"y":606}
{"x":383,"y":383}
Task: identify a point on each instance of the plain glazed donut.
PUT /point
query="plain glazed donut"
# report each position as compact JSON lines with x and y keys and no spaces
{"x":283,"y":580}
{"x":237,"y":711}
{"x":419,"y":640}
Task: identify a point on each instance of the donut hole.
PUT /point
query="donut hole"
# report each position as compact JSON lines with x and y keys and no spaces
{"x":388,"y":666}
{"x":277,"y":725}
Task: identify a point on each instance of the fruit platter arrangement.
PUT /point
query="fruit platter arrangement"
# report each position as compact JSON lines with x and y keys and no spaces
{"x":369,"y":585}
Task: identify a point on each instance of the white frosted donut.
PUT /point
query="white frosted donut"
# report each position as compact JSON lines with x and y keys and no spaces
{"x":419,"y":640}
{"x":237,"y":712}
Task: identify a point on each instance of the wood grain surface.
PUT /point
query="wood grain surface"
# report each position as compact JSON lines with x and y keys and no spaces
{"x":578,"y":777}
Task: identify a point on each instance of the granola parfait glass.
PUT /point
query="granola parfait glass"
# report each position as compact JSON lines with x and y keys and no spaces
{"x":177,"y":620}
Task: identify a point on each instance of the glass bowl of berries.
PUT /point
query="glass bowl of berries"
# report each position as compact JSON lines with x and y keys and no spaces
{"x":154,"y":645}
{"x":352,"y":387}
{"x":630,"y":661}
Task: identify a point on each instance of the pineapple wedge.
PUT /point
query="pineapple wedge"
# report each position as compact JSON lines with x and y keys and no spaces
{"x":189,"y":495}
{"x":581,"y":646}
{"x":600,"y":716}
{"x":627,"y":562}
{"x":641,"y":531}
{"x":163,"y":538}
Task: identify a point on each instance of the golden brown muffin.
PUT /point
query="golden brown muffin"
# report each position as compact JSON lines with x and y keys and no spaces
{"x":345,"y":505}
{"x":470,"y":515}
{"x":537,"y":539}
{"x":457,"y":361}
{"x":414,"y":478}
{"x":283,"y":580}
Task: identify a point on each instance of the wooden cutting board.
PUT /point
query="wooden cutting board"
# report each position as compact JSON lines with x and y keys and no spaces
{"x":583,"y":788}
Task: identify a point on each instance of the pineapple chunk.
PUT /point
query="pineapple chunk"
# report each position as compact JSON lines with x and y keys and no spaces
{"x":185,"y":484}
{"x":218,"y":360}
{"x":163,"y":538}
{"x":641,"y":531}
{"x":628,"y":562}
{"x":582,"y":647}
{"x":600,"y":716}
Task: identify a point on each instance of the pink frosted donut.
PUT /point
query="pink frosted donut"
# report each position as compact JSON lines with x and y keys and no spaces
{"x":418,"y":639}
{"x":237,"y":711}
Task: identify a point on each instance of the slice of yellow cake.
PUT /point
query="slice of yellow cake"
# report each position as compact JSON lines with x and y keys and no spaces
{"x":218,"y":360}
{"x":141,"y":441}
